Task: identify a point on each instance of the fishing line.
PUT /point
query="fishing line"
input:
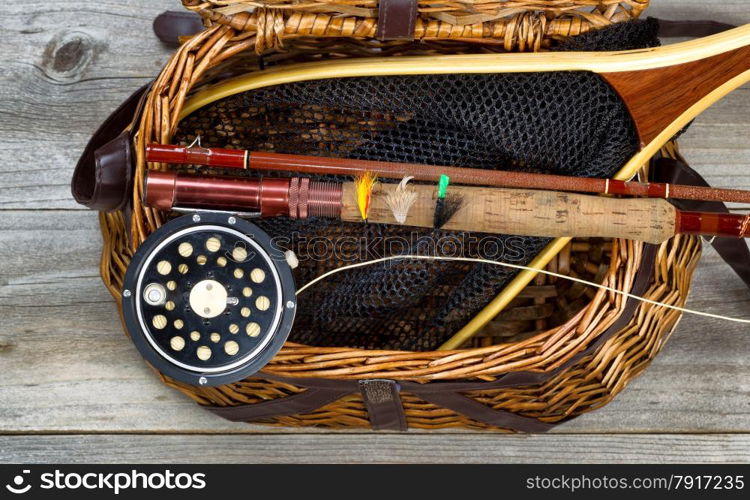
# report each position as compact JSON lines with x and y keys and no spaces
{"x":523,"y":268}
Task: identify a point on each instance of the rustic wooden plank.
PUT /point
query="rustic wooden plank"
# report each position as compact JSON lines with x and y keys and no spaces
{"x":69,"y":367}
{"x":381,"y":448}
{"x":65,"y":68}
{"x":730,"y":11}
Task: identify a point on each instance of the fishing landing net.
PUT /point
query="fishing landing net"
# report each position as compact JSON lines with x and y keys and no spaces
{"x":569,"y":123}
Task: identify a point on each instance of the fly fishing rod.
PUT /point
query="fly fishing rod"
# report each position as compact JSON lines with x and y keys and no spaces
{"x":490,"y":210}
{"x":260,"y":161}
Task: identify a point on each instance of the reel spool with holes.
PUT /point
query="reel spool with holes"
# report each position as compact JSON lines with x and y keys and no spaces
{"x":208,"y":300}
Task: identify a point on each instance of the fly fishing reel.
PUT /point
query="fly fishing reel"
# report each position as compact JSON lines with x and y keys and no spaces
{"x":208,"y":300}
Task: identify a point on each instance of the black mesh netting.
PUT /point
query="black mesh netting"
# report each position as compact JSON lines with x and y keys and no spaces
{"x":566,"y":123}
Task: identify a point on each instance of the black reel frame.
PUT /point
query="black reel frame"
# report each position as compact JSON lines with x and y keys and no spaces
{"x":277,"y":289}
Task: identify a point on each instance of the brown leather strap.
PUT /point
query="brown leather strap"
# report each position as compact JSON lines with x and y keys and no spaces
{"x":172,"y":25}
{"x":477,"y":411}
{"x":383,"y":404}
{"x":103,"y":176}
{"x":397,"y":19}
{"x":304,"y":402}
{"x":691,"y":29}
{"x":734,"y":251}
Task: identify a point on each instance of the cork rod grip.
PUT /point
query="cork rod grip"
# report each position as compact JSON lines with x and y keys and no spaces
{"x":529,"y":213}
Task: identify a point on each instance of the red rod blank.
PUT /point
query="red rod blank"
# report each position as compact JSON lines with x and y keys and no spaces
{"x":229,"y":158}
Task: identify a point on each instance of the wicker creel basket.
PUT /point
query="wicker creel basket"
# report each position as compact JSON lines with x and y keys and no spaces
{"x":558,"y":350}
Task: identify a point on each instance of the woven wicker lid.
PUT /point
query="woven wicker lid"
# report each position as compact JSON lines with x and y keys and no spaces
{"x":516,"y":25}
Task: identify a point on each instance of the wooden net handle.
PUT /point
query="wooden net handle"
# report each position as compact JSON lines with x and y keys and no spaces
{"x":528,"y":212}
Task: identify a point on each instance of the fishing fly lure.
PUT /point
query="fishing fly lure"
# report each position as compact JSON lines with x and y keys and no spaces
{"x":401,"y":199}
{"x":363,"y":185}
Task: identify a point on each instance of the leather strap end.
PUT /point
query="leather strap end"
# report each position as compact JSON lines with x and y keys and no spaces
{"x":113,"y":169}
{"x":397,"y":19}
{"x":691,"y":29}
{"x":172,"y":25}
{"x":103,"y":177}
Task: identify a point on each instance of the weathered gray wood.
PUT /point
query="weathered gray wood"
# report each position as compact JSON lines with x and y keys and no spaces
{"x":381,"y":448}
{"x":65,"y":68}
{"x":68,"y":367}
{"x":731,"y":11}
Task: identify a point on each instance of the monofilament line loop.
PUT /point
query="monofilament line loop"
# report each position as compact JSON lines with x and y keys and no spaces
{"x":524,"y":268}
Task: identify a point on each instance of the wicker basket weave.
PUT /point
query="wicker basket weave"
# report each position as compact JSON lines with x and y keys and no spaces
{"x":514,"y":24}
{"x":576,"y":348}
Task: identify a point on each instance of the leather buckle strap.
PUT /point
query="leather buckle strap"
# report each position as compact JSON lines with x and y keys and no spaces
{"x":397,"y":19}
{"x":383,"y":404}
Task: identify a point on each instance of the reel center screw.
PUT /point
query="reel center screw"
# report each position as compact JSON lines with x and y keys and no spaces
{"x":208,"y":298}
